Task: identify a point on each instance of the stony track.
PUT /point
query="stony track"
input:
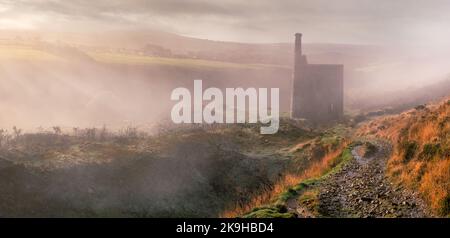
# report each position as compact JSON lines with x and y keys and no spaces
{"x":361,"y":189}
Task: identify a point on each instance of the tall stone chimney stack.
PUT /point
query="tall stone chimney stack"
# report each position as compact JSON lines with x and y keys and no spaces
{"x":299,"y":58}
{"x":298,"y":44}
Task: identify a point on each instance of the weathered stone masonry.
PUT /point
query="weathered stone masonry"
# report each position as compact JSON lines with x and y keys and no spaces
{"x":318,"y":89}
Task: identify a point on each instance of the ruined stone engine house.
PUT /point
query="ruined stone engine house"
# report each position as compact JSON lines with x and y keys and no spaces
{"x":318,"y":89}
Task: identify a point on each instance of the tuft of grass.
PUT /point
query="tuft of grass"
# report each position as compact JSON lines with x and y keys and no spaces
{"x":370,"y":149}
{"x":269,"y":212}
{"x":310,"y":200}
{"x":430,"y":150}
{"x":409,"y":148}
{"x":445,"y":206}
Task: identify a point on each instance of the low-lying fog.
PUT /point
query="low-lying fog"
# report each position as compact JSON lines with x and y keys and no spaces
{"x":41,"y":94}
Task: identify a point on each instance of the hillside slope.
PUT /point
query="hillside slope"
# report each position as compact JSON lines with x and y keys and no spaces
{"x":421,"y":157}
{"x":396,"y":166}
{"x":180,"y":172}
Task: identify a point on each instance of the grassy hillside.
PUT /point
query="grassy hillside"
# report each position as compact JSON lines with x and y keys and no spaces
{"x":23,"y":52}
{"x":181,"y":172}
{"x":421,"y":158}
{"x":294,"y":185}
{"x":311,"y":161}
{"x":39,"y":53}
{"x":163,"y":61}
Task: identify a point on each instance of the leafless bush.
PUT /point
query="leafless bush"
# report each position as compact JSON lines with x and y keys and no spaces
{"x":130,"y":132}
{"x":103,"y":133}
{"x":57,"y":130}
{"x":90,"y":133}
{"x":17,"y":132}
{"x":4,"y":137}
{"x":75,"y":131}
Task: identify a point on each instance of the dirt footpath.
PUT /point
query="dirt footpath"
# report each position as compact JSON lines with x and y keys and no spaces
{"x":361,"y":189}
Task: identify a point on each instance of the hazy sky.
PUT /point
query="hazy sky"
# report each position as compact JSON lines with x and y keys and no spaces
{"x":340,"y":21}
